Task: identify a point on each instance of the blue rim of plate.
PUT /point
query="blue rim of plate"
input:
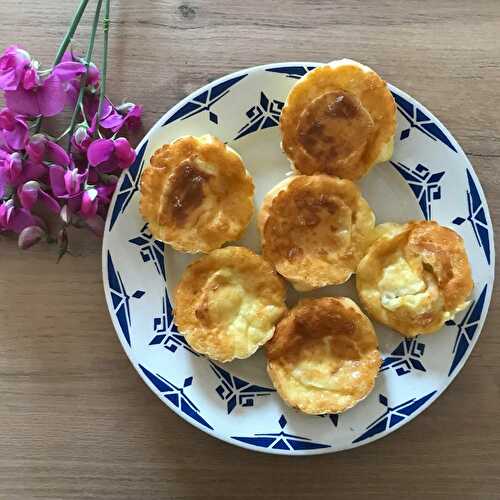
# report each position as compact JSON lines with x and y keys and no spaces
{"x":418,"y":118}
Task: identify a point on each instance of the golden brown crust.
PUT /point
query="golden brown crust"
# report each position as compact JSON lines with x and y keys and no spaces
{"x":314,"y":229}
{"x":228,"y":302}
{"x":338,"y":119}
{"x":324,"y":356}
{"x":196,"y":194}
{"x":416,"y":278}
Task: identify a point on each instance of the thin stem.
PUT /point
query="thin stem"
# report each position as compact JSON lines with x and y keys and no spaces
{"x":102,"y":87}
{"x":71,"y":31}
{"x":64,"y":45}
{"x":83,"y":83}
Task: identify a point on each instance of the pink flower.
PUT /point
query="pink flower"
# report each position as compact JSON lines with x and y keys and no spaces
{"x":81,"y":139}
{"x":14,"y":130}
{"x":12,"y":167}
{"x":46,"y":99}
{"x":15,"y":219}
{"x":108,"y":155}
{"x":90,"y":203}
{"x":40,"y":148}
{"x":14,"y":63}
{"x":132,"y":115}
{"x":68,"y":184}
{"x":31,"y":192}
{"x":109,"y":118}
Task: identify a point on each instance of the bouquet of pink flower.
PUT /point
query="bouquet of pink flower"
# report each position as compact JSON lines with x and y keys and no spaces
{"x":73,"y":175}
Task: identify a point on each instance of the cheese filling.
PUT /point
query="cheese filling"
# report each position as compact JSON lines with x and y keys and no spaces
{"x":248,"y":321}
{"x":401,"y":286}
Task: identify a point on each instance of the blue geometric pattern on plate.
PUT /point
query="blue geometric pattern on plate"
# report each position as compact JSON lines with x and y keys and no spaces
{"x":121,"y":298}
{"x":406,"y":357}
{"x":393,"y":415}
{"x":419,"y":120}
{"x":204,"y":101}
{"x":176,"y":395}
{"x":334,"y":418}
{"x":150,"y":249}
{"x":425,"y":186}
{"x":476,"y":217}
{"x":266,"y":114}
{"x":235,"y":391}
{"x":296,"y":72}
{"x":166,"y":331}
{"x":466,"y":329}
{"x":129,"y":186}
{"x":280,"y":440}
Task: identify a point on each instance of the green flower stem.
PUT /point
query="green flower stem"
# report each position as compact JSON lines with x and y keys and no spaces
{"x":83,"y":83}
{"x":64,"y":45}
{"x":102,"y":87}
{"x":71,"y":31}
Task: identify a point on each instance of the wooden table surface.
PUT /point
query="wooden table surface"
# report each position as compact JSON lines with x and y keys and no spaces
{"x":75,"y":419}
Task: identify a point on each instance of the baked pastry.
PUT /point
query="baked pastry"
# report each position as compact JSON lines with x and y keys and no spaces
{"x":338,"y":119}
{"x":315,"y":229}
{"x":415,"y":277}
{"x":196,"y":194}
{"x":324,"y":356}
{"x":228,"y":302}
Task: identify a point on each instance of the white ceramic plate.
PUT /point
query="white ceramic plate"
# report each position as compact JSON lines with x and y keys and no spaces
{"x":428,"y":177}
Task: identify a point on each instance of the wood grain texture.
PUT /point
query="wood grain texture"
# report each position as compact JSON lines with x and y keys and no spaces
{"x":76,"y":422}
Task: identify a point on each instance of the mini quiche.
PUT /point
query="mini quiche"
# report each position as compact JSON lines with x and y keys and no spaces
{"x":415,"y":277}
{"x":196,"y":194}
{"x":338,"y":119}
{"x":324,"y":356}
{"x":315,"y":229}
{"x":228,"y":303}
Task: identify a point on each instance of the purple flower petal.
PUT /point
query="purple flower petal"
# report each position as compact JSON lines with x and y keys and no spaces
{"x":124,"y":153}
{"x":100,"y":151}
{"x":12,"y":168}
{"x":81,"y":139}
{"x":50,"y":202}
{"x":93,"y":75}
{"x":56,"y":174}
{"x":113,"y":121}
{"x":13,"y":64}
{"x":132,"y":113}
{"x":74,"y":203}
{"x":32,"y":171}
{"x":36,"y":147}
{"x":24,"y":102}
{"x":57,"y":154}
{"x":6,"y":209}
{"x":106,"y":191}
{"x":28,"y":194}
{"x":7,"y":119}
{"x":30,"y":79}
{"x":89,"y":203}
{"x":51,"y":96}
{"x":17,"y":137}
{"x":68,"y":70}
{"x":20,"y":219}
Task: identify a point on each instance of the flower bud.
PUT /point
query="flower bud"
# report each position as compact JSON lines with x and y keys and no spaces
{"x":89,"y":203}
{"x":28,"y":194}
{"x":30,"y":236}
{"x":13,"y":166}
{"x":36,"y":147}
